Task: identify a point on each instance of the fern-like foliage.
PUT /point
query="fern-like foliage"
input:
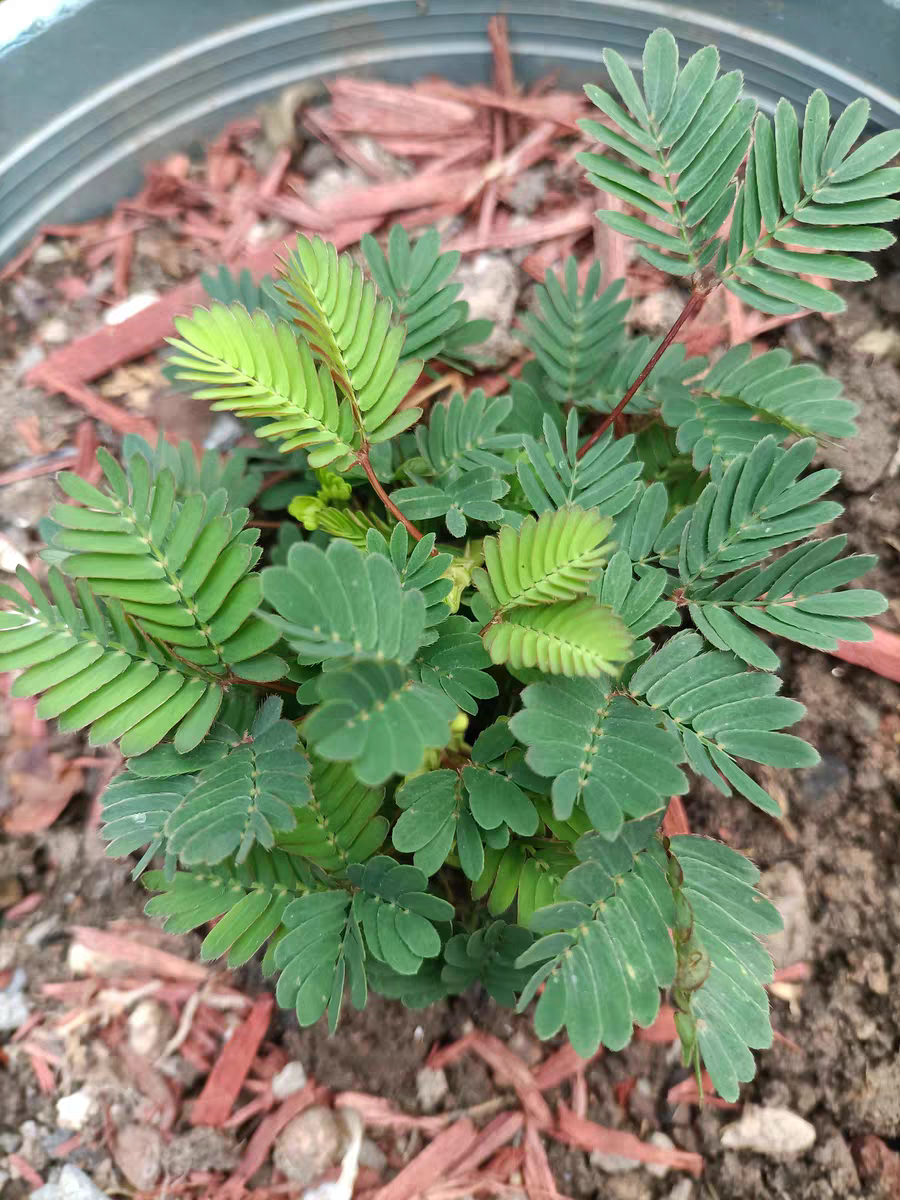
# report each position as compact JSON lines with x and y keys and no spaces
{"x":722,"y":711}
{"x":244,"y":798}
{"x":719,"y":988}
{"x":340,"y":823}
{"x":344,"y":604}
{"x":96,"y":669}
{"x":795,"y":597}
{"x":487,"y":956}
{"x":469,"y":497}
{"x":605,"y":753}
{"x":573,"y":328}
{"x":606,"y":949}
{"x":250,"y":898}
{"x":415,"y":280}
{"x":689,"y":129}
{"x":350,"y":331}
{"x":462,"y":435}
{"x":546,"y":560}
{"x":181,"y":569}
{"x":502,"y":717}
{"x":378,"y":717}
{"x":554,"y":477}
{"x":742,"y":400}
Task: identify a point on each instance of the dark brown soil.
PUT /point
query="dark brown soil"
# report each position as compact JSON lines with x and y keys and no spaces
{"x":838,"y":1061}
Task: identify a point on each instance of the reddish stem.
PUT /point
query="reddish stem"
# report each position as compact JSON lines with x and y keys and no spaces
{"x":693,"y":306}
{"x":363,"y":459}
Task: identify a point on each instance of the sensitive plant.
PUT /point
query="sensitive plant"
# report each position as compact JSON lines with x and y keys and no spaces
{"x":425,"y":736}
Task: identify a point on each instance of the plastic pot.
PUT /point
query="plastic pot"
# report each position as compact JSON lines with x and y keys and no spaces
{"x":90,"y":90}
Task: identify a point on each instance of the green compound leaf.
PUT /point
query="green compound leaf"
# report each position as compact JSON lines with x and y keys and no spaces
{"x":578,"y":637}
{"x":95,"y":669}
{"x":757,"y":504}
{"x":462,"y":436}
{"x":250,"y":899}
{"x":555,"y":478}
{"x":470,"y":497}
{"x":456,"y":664}
{"x":548,"y":559}
{"x":341,"y":603}
{"x":636,"y":599}
{"x":135,"y":812}
{"x":419,"y":570}
{"x":694,"y":142}
{"x":728,"y":1014}
{"x":487,"y":956}
{"x":351,"y":332}
{"x":795,"y":597}
{"x":742,"y":400}
{"x":572,"y":328}
{"x":246,"y":797}
{"x":432,"y":806}
{"x":414,"y":279}
{"x":320,"y":954}
{"x":723,"y":711}
{"x":603,"y":963}
{"x":607,"y":755}
{"x":180,"y":566}
{"x":377,"y":717}
{"x":341,"y":822}
{"x":397,"y":914}
{"x":279,"y":381}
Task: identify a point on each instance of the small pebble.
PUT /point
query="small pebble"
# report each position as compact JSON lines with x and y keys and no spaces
{"x":150,"y":1025}
{"x":72,"y":1184}
{"x":309,"y":1145}
{"x":773,"y":1132}
{"x":138,"y":1155}
{"x":431,"y":1088}
{"x":74,"y":1111}
{"x":289,"y":1079}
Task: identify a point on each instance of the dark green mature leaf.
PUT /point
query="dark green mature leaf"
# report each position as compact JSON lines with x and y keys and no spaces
{"x":461,"y":435}
{"x":179,"y":564}
{"x":321,"y":952}
{"x":456,"y":664}
{"x":344,"y":604}
{"x":245,"y":798}
{"x":757,"y":504}
{"x":376,"y":716}
{"x":397,"y":914}
{"x":606,"y":754}
{"x":341,"y":823}
{"x":603,"y":962}
{"x":414,"y":279}
{"x":743,"y":399}
{"x":729,"y":1012}
{"x":470,"y":497}
{"x":487,"y":956}
{"x":721,"y":712}
{"x":554,"y":477}
{"x":250,"y":899}
{"x":419,"y":570}
{"x":573,"y":328}
{"x":795,"y":597}
{"x":95,"y":669}
{"x":135,"y":812}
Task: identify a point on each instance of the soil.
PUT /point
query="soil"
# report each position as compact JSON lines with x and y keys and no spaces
{"x":836,"y":1060}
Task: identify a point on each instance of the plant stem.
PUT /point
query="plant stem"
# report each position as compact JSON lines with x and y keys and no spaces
{"x":363,"y":459}
{"x":693,"y":306}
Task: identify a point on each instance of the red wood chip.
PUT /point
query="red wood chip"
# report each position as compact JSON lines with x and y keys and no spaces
{"x":435,"y":1161}
{"x":539,"y":1182}
{"x":587,"y":1135}
{"x":225,"y":1080}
